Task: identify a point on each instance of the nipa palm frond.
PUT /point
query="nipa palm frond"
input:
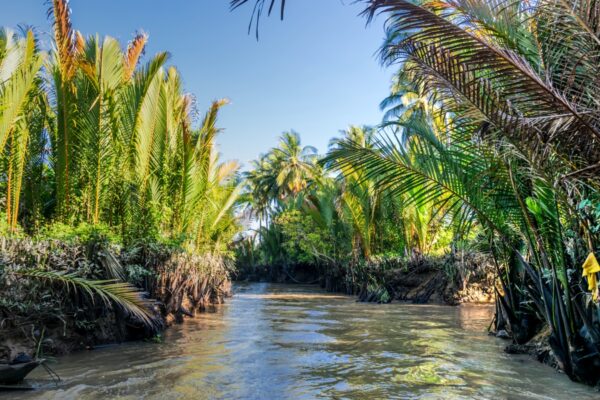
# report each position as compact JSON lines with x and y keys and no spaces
{"x":110,"y":291}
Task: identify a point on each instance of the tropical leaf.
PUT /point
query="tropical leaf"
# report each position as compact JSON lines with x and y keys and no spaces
{"x":496,"y":82}
{"x":109,"y":291}
{"x":20,"y":73}
{"x":259,"y":10}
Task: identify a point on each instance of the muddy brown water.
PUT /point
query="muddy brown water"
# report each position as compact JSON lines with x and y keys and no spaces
{"x":297,"y":342}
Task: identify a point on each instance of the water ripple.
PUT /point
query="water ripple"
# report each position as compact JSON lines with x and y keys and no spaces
{"x":297,"y":342}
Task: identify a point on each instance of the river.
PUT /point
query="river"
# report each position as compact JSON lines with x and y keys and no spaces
{"x":298,"y":342}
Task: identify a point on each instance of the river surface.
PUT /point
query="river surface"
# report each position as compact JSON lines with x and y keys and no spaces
{"x":297,"y":342}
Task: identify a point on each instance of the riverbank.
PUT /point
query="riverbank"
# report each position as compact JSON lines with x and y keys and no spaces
{"x":302,"y":342}
{"x":42,"y":317}
{"x":449,"y":279}
{"x":180,"y":285}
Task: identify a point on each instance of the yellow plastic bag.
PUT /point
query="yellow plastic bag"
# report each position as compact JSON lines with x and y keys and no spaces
{"x":590,"y":268}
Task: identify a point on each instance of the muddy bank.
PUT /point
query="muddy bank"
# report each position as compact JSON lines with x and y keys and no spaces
{"x":438,"y":280}
{"x":449,"y":279}
{"x":538,"y":348}
{"x":39,"y":317}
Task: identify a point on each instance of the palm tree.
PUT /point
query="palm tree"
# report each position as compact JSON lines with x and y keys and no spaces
{"x":20,"y":93}
{"x":97,"y":95}
{"x":262,"y":186}
{"x":521,"y":127}
{"x":209,"y":188}
{"x":509,"y":142}
{"x":69,"y":45}
{"x":124,"y":147}
{"x":294,"y":163}
{"x":360,"y":198}
{"x":98,"y":138}
{"x":282,"y":174}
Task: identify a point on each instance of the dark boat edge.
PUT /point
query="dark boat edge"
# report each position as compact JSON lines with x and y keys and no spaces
{"x":11,"y":375}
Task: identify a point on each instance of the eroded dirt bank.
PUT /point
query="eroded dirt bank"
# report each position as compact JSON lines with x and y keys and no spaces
{"x":45,"y":317}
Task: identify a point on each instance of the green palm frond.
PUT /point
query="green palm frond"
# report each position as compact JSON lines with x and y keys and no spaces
{"x":468,"y":70}
{"x":20,"y":90}
{"x":459,"y":180}
{"x":96,"y":93}
{"x":109,"y":291}
{"x":20,"y":80}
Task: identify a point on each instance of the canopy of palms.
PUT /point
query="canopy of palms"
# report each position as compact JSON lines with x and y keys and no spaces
{"x":496,"y":124}
{"x":90,"y":134}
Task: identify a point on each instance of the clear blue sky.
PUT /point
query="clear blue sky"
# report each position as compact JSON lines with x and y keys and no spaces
{"x":316,"y":72}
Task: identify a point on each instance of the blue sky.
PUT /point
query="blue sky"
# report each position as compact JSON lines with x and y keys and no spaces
{"x":316,"y":72}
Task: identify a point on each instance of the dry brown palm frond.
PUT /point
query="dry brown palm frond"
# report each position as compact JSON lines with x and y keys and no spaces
{"x":570,"y":46}
{"x":586,"y":13}
{"x":79,"y":42}
{"x":135,"y":50}
{"x":185,"y":282}
{"x":67,"y":42}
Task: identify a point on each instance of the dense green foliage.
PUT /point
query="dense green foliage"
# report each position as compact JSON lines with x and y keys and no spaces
{"x":490,"y":142}
{"x":94,"y":140}
{"x":330,"y":217}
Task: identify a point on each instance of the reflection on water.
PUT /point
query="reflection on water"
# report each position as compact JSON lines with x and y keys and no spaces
{"x":295,"y":342}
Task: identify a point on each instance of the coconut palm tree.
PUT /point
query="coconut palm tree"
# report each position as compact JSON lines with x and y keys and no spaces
{"x":262,"y":186}
{"x":282,"y":174}
{"x":294,"y":163}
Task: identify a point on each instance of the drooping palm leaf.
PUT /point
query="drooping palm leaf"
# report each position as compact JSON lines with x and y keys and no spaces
{"x":259,"y":10}
{"x":496,"y":82}
{"x":109,"y":291}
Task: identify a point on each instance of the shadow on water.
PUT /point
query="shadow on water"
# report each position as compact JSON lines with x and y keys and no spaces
{"x":297,"y":342}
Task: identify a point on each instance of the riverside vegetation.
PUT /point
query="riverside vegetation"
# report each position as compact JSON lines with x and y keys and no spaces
{"x":483,"y":175}
{"x":113,"y":195}
{"x":489,"y":145}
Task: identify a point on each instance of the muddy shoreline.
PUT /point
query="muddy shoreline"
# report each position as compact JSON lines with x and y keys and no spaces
{"x":41,"y":318}
{"x":418,"y":281}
